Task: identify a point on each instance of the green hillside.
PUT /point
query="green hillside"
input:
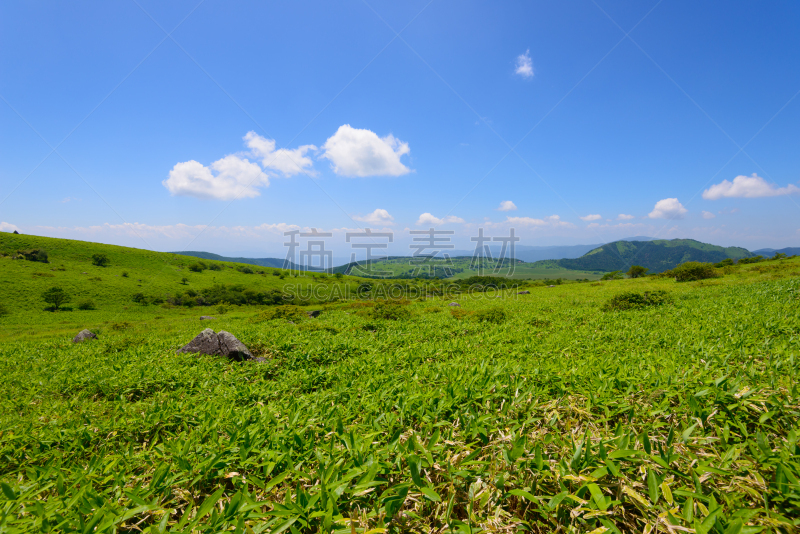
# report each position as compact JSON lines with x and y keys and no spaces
{"x":136,"y":282}
{"x":275,"y":263}
{"x":658,"y":256}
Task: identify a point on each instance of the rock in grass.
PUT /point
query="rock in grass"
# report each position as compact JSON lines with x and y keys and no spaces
{"x":232,"y":348}
{"x":206,"y":342}
{"x":221,"y":344}
{"x":314,"y":313}
{"x":83,"y":335}
{"x":454,"y":304}
{"x":524,"y":293}
{"x":206,"y":317}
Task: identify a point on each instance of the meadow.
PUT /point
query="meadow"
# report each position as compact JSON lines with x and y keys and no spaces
{"x":541,"y":412}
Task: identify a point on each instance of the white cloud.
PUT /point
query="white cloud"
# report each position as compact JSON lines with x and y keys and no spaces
{"x":618,"y":226}
{"x":378,"y":216}
{"x":553,"y":221}
{"x":427,"y":218}
{"x":355,"y":152}
{"x":507,"y":205}
{"x":8,"y":227}
{"x":524,"y":65}
{"x":624,"y":217}
{"x":591,"y":218}
{"x":286,"y":161}
{"x":225,"y":179}
{"x":708,"y":215}
{"x":668,"y":208}
{"x":747,"y":187}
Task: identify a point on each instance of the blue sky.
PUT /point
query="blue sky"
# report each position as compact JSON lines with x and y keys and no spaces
{"x":218,"y":126}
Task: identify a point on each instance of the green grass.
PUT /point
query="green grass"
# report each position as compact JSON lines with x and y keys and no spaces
{"x":539,"y":412}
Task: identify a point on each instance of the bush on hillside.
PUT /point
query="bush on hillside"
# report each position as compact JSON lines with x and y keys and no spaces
{"x":55,"y":297}
{"x":245,"y":270}
{"x":215,"y":267}
{"x":494,"y":315}
{"x":392,"y":311}
{"x":124,"y":274}
{"x":632,"y":300}
{"x":637,"y":271}
{"x":693,"y":270}
{"x":613,"y":275}
{"x":139,"y":298}
{"x":198,"y":267}
{"x":100,"y":260}
{"x":35,"y":254}
{"x":754,"y":259}
{"x":86,"y":304}
{"x":724,"y":263}
{"x":290,"y":312}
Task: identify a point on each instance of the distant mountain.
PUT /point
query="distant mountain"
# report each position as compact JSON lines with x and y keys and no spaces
{"x":275,"y":263}
{"x":657,"y":255}
{"x":531,"y":254}
{"x":768,"y":252}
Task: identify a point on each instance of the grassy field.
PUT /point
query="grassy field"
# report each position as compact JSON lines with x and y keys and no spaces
{"x":542,"y":412}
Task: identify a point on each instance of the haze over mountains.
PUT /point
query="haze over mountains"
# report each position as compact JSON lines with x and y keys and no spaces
{"x":657,"y":255}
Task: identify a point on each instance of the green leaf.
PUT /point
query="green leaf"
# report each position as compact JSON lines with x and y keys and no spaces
{"x":652,"y":486}
{"x":430,"y":494}
{"x":208,"y":504}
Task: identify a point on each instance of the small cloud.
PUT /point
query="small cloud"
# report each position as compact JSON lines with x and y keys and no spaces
{"x":427,"y":218}
{"x":286,"y":161}
{"x":361,"y":153}
{"x":226,"y":179}
{"x":591,"y":218}
{"x":747,"y":187}
{"x":8,"y":227}
{"x":507,"y":205}
{"x":668,"y":208}
{"x":552,"y":221}
{"x":624,"y":217}
{"x":378,"y":216}
{"x":708,"y":215}
{"x":524,"y":65}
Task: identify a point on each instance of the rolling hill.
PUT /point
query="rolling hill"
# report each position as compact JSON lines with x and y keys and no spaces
{"x":658,"y":255}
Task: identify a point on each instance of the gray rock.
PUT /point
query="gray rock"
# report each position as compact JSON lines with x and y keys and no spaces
{"x":551,"y":286}
{"x":206,"y":342}
{"x":83,"y":335}
{"x":221,"y":344}
{"x":454,"y":304}
{"x":206,"y":317}
{"x":314,"y":313}
{"x":524,"y":293}
{"x":232,"y":348}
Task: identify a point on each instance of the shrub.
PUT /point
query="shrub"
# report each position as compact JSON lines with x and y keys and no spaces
{"x":613,"y":275}
{"x":754,"y":259}
{"x":222,"y":308}
{"x":87,"y":304}
{"x":100,"y":260}
{"x":637,"y":270}
{"x":124,"y":274}
{"x":632,"y":300}
{"x":196,"y":268}
{"x":55,"y":297}
{"x":724,"y":263}
{"x":245,"y":270}
{"x":492,"y":315}
{"x":390,"y":310}
{"x":459,"y":313}
{"x":42,"y":256}
{"x":287,"y":311}
{"x":693,"y":270}
{"x":139,"y":298}
{"x":215,"y":267}
{"x":184,"y":280}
